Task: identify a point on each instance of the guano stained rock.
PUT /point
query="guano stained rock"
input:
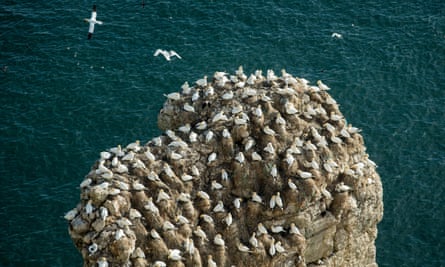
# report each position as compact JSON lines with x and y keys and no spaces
{"x":251,"y":170}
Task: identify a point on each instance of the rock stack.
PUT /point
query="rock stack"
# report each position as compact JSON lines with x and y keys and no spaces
{"x":250,"y":171}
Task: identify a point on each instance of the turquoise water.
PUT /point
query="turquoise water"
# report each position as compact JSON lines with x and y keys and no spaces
{"x":65,"y":98}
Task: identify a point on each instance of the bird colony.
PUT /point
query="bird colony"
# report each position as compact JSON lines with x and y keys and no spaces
{"x":251,"y":170}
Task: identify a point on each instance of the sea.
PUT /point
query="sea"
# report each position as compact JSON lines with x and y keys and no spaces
{"x":65,"y":98}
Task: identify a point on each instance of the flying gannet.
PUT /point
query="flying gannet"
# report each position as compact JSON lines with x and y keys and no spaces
{"x":92,"y":21}
{"x":336,"y":35}
{"x":167,"y":54}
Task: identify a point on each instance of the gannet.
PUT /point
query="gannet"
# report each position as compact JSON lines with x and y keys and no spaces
{"x":92,"y":21}
{"x":224,"y":175}
{"x":255,"y":156}
{"x":219,"y":207}
{"x":237,"y":203}
{"x":189,"y":246}
{"x":200,"y":233}
{"x":70,"y":215}
{"x":211,"y":158}
{"x":322,"y":86}
{"x":186,"y":177}
{"x":119,"y":234}
{"x":174,"y":254}
{"x":216,"y":186}
{"x":253,"y":241}
{"x":336,"y":35}
{"x":279,"y":248}
{"x":154,"y":234}
{"x":210,"y":261}
{"x":182,"y":220}
{"x":272,"y":202}
{"x":167,"y":54}
{"x":274,"y":171}
{"x":242,"y":248}
{"x":159,"y":264}
{"x":272,"y":249}
{"x":218,"y":240}
{"x":261,"y":229}
{"x":168,"y":226}
{"x":256,"y":198}
{"x":102,"y":262}
{"x":228,"y":219}
{"x":294,"y":229}
{"x":240,"y":157}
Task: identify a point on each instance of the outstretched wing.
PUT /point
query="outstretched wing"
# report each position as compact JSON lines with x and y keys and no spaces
{"x":173,"y":53}
{"x":157,"y":52}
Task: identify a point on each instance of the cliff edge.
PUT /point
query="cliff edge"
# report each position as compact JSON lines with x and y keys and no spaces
{"x":251,"y":170}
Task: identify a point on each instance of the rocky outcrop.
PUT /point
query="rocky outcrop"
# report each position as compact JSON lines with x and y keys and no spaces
{"x":250,"y":171}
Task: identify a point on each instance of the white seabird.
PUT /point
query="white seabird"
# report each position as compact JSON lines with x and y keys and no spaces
{"x":336,"y":35}
{"x":167,"y":54}
{"x":92,"y":21}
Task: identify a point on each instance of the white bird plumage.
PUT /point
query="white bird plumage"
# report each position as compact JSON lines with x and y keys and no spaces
{"x":200,"y":233}
{"x":219,"y":207}
{"x":253,"y":241}
{"x":240,"y":157}
{"x":211,"y":158}
{"x":261,"y":229}
{"x":269,"y":148}
{"x":228,"y":219}
{"x":218,"y":240}
{"x":71,"y":214}
{"x":162,"y":195}
{"x":255,"y":156}
{"x":336,"y":35}
{"x":186,"y":177}
{"x":167,"y":54}
{"x":216,"y":186}
{"x":294,"y":229}
{"x":237,"y":202}
{"x":304,"y":175}
{"x":174,"y":254}
{"x":256,"y":198}
{"x":279,"y":247}
{"x":102,"y":262}
{"x":322,"y":86}
{"x":188,"y":107}
{"x":159,"y":264}
{"x":242,"y":248}
{"x":168,"y":226}
{"x":92,"y":21}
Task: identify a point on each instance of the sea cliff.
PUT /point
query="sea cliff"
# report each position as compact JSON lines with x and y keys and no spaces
{"x":251,"y":170}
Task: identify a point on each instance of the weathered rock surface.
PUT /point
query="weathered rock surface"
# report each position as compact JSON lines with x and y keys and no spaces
{"x":250,"y":171}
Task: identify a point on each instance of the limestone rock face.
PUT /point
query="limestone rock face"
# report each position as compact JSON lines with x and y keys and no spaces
{"x":250,"y":171}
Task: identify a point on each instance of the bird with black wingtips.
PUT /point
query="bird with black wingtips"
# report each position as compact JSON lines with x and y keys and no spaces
{"x":92,"y":21}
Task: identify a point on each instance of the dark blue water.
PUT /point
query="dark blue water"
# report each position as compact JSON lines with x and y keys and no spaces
{"x":64,"y":99}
